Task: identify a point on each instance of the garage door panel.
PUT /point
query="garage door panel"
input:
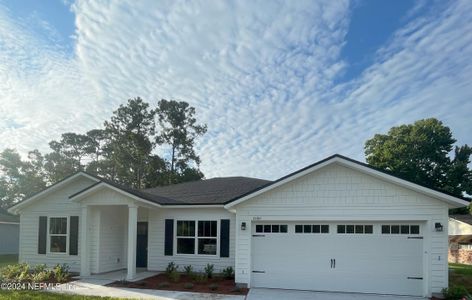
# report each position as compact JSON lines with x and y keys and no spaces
{"x":371,"y":263}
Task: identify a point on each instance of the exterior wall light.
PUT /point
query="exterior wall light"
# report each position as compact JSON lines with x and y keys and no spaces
{"x":243,"y":226}
{"x":438,"y":226}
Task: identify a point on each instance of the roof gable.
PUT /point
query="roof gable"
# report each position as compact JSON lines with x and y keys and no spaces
{"x":356,"y":165}
{"x":54,"y":187}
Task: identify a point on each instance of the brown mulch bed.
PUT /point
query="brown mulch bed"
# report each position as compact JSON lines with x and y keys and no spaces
{"x":216,"y":285}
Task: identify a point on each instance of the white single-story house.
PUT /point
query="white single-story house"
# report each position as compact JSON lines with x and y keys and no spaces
{"x":9,"y":233}
{"x":336,"y":225}
{"x":460,"y":239}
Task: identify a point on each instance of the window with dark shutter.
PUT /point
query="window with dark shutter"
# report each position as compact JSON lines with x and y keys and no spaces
{"x":42,"y":234}
{"x":224,"y":238}
{"x":169,"y":237}
{"x":74,"y":235}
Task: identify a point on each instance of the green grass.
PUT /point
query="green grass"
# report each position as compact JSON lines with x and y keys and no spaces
{"x":38,"y":295}
{"x":460,"y":275}
{"x":8,"y":259}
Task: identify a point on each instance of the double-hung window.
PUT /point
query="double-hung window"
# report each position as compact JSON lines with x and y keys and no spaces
{"x":197,"y":237}
{"x":58,"y":234}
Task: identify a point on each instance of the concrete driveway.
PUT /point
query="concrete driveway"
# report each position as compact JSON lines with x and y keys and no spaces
{"x":278,"y":294}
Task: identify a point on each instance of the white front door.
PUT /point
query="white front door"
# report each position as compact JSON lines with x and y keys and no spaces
{"x":354,"y":257}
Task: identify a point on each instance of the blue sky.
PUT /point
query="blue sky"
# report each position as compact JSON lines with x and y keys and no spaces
{"x":281,"y":84}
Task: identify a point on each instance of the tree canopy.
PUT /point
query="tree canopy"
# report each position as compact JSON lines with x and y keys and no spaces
{"x":423,"y":152}
{"x":139,"y":146}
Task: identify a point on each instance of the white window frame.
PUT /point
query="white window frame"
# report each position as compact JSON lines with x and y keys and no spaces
{"x":67,"y":234}
{"x":196,"y":238}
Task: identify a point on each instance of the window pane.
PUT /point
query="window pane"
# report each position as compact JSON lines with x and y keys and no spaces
{"x":368,"y":229}
{"x":185,"y":246}
{"x":298,"y":228}
{"x":283,"y":228}
{"x":359,"y":228}
{"x":267,"y":228}
{"x":58,"y":243}
{"x":275,"y":228}
{"x":341,"y":228}
{"x":185,"y":228}
{"x":349,"y":228}
{"x":324,"y":228}
{"x":316,"y":228}
{"x":307,"y":228}
{"x":207,"y":246}
{"x":395,"y":229}
{"x":415,"y":229}
{"x":258,"y":228}
{"x":405,"y":229}
{"x":58,"y":225}
{"x":207,"y":228}
{"x":385,"y":229}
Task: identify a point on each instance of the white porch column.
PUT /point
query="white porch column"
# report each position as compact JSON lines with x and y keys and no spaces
{"x":84,"y":253}
{"x":132,"y":232}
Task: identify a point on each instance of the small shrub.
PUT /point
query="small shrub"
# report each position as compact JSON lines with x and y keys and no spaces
{"x":162,"y":285}
{"x":40,"y":268}
{"x":228,"y":273}
{"x":213,"y":286}
{"x":188,"y":285}
{"x":171,"y":267}
{"x":209,"y":270}
{"x":188,"y":270}
{"x":61,"y":273}
{"x":16,"y":273}
{"x":455,"y":292}
{"x":199,"y":277}
{"x":41,"y":276}
{"x":174,"y":276}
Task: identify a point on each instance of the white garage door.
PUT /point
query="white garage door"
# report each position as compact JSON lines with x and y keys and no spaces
{"x":385,"y":258}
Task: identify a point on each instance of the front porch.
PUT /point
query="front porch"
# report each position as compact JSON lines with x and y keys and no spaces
{"x":120,"y":275}
{"x":114,"y":240}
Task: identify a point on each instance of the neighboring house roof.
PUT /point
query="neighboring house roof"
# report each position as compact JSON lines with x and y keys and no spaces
{"x":209,"y":191}
{"x":452,"y":200}
{"x":463,"y":218}
{"x":6,"y":217}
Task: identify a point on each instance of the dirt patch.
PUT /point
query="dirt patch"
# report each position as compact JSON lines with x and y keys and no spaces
{"x":217,"y":285}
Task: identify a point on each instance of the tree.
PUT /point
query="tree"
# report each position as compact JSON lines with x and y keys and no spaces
{"x":130,"y":130}
{"x":18,"y":178}
{"x":179,"y":129}
{"x":420,"y":152}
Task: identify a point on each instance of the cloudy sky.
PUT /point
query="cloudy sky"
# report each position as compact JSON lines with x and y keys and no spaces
{"x":281,"y":84}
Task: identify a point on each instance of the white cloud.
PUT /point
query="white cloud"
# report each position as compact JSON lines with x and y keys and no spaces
{"x":261,"y":75}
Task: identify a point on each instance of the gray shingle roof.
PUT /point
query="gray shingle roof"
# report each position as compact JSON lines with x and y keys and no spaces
{"x":209,"y":191}
{"x":6,"y":217}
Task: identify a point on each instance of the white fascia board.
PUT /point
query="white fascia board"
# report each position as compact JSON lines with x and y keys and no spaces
{"x":80,"y":196}
{"x":17,"y":207}
{"x":10,"y":223}
{"x":453,"y":202}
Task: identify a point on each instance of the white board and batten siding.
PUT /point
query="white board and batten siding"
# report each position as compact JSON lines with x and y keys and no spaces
{"x":57,"y":204}
{"x":340,"y":194}
{"x":157,"y":261}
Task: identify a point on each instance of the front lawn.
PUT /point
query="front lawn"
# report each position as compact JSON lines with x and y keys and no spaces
{"x":8,"y":259}
{"x":460,"y":274}
{"x":39,"y":295}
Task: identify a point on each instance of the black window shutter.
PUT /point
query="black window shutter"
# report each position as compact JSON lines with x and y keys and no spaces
{"x":224,"y":238}
{"x":74,"y":236}
{"x":42,"y":234}
{"x":169,"y":237}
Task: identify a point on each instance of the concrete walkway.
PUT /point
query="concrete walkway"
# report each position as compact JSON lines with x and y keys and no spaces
{"x":95,"y":287}
{"x":278,"y":294}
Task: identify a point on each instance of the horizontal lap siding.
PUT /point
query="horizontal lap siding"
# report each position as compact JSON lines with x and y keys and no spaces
{"x":56,"y":203}
{"x":158,"y":261}
{"x":340,"y":193}
{"x":9,"y":234}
